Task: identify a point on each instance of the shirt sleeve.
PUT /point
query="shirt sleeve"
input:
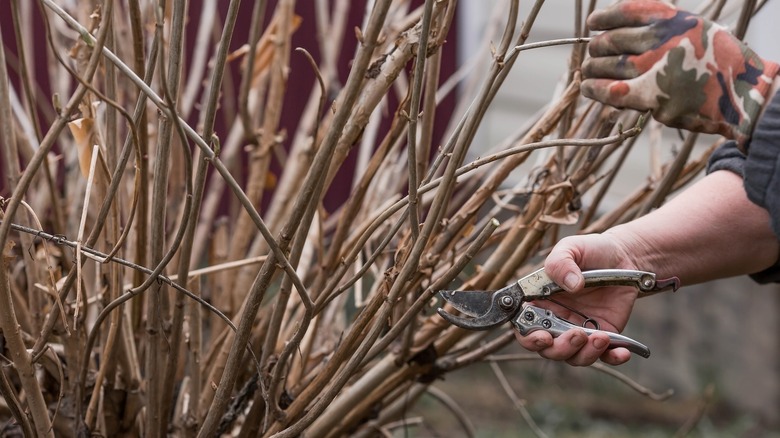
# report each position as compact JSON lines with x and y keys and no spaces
{"x":760,"y":171}
{"x":762,"y":164}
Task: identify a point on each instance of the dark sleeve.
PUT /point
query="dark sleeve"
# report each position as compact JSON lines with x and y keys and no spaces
{"x":760,"y":170}
{"x":727,"y":157}
{"x":762,"y":165}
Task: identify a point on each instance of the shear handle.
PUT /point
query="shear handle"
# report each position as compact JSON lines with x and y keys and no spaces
{"x":533,"y":318}
{"x":541,"y":286}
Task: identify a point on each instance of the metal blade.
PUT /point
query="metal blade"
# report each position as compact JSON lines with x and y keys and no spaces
{"x":486,"y":309}
{"x":469,"y":302}
{"x":483,"y":322}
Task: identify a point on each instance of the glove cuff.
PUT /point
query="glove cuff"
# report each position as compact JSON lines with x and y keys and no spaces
{"x":760,"y":92}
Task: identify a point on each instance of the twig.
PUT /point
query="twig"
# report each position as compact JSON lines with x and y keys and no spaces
{"x":14,"y":405}
{"x":458,"y":412}
{"x":134,"y":135}
{"x":655,"y":396}
{"x":11,"y":169}
{"x":672,"y":174}
{"x":46,"y":144}
{"x":516,"y":401}
{"x":705,"y":403}
{"x":548,"y":144}
{"x":486,"y":349}
{"x":221,"y":267}
{"x":158,"y":306}
{"x":29,"y":94}
{"x":329,"y":393}
{"x":170,"y":81}
{"x":321,"y":83}
{"x":748,"y":7}
{"x":52,"y":286}
{"x":339,"y":407}
{"x":60,"y":240}
{"x":336,"y":264}
{"x":329,"y":293}
{"x":80,"y":238}
{"x":142,"y":165}
{"x":198,"y":64}
{"x":431,"y":290}
{"x":193,"y":135}
{"x":551,"y":43}
{"x":414,"y":109}
{"x":16,"y":346}
{"x":472,"y":166}
{"x":310,"y":187}
{"x":258,"y":15}
{"x":387,"y":429}
{"x":632,"y":383}
{"x":296,"y":250}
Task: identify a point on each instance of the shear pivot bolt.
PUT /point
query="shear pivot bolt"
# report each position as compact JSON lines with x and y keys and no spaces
{"x":506,"y":302}
{"x":647,"y":282}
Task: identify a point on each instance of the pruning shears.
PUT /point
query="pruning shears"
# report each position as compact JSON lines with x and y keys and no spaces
{"x":484,"y":310}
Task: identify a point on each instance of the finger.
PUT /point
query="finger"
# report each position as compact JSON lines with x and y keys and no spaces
{"x":562,"y":267}
{"x":616,"y":356}
{"x":630,"y":14}
{"x":566,"y":345}
{"x":593,"y":349}
{"x":573,"y":254}
{"x":692,"y":121}
{"x":621,"y":94}
{"x":536,"y":341}
{"x":609,"y":67}
{"x":623,"y":41}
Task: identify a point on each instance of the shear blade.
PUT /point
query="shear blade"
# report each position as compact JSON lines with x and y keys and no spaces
{"x":468,"y":302}
{"x":483,"y":307}
{"x":481,"y":322}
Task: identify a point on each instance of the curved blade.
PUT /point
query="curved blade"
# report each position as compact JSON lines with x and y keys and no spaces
{"x":469,"y":302}
{"x":484,"y":322}
{"x":486,"y":310}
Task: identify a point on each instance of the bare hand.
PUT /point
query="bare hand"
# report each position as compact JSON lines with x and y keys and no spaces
{"x":609,"y":306}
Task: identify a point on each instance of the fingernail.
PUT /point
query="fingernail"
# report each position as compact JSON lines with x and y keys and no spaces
{"x":600,"y":343}
{"x":570,"y":281}
{"x":578,"y":341}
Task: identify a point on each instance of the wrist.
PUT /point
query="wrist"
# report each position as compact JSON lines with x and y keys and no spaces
{"x":635,"y":249}
{"x":629,"y":248}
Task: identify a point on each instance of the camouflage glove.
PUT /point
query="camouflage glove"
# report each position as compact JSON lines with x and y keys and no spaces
{"x":690,"y":72}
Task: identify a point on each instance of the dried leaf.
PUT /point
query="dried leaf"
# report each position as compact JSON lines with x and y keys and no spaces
{"x":264,"y":51}
{"x":270,"y":180}
{"x":359,"y":34}
{"x":8,"y":251}
{"x":561,"y":218}
{"x":83,"y":134}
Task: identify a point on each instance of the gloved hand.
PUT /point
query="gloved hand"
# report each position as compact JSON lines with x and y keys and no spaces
{"x":690,"y":72}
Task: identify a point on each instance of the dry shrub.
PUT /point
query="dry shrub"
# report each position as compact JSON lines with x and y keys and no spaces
{"x":169,"y":264}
